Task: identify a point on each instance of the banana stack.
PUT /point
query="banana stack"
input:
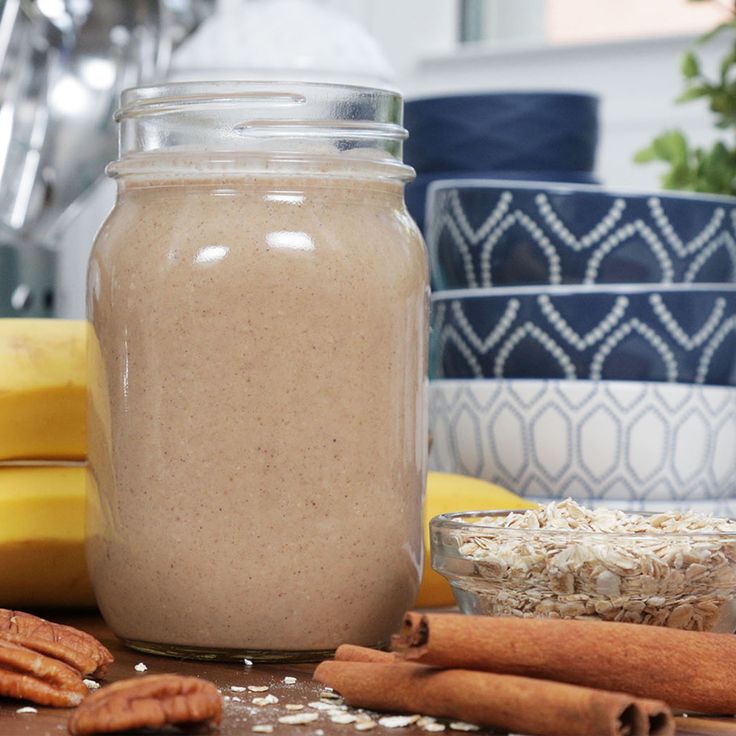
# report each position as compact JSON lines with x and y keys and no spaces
{"x":42,"y":474}
{"x":43,"y":385}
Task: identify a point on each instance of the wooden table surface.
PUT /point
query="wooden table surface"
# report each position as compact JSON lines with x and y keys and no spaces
{"x":239,"y":715}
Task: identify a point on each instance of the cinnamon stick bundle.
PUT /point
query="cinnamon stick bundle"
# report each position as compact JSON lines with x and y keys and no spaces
{"x":688,"y":670}
{"x":516,"y":704}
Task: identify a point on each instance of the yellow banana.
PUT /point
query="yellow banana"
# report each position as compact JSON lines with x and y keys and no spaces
{"x":42,"y":389}
{"x":42,"y":537}
{"x":447,"y":492}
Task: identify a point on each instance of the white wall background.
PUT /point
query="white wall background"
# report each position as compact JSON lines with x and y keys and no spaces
{"x":637,"y":79}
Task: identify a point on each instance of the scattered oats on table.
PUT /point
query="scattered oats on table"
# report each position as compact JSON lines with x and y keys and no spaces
{"x":299,"y":718}
{"x":684,"y":582}
{"x":462,"y":726}
{"x":329,"y":695}
{"x":258,"y":688}
{"x":428,"y":723}
{"x":294,"y":706}
{"x":266,"y":700}
{"x":365,"y":725}
{"x":289,"y":680}
{"x":237,"y":688}
{"x":343,"y":718}
{"x":262,"y":728}
{"x":397,"y":721}
{"x":27,"y":710}
{"x":140,"y":667}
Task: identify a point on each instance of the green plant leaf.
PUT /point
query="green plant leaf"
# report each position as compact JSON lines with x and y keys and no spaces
{"x":710,"y":35}
{"x":671,"y":146}
{"x":693,"y":93}
{"x":702,"y":169}
{"x":689,"y":65}
{"x":645,"y":155}
{"x":726,"y":64}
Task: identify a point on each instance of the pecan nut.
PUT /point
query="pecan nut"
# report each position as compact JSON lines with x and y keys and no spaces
{"x":76,"y":648}
{"x":153,"y":701}
{"x":28,"y":675}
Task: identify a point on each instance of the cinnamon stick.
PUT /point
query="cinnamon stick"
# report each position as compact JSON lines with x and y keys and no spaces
{"x":688,"y":670}
{"x":354,"y":653}
{"x":516,"y":704}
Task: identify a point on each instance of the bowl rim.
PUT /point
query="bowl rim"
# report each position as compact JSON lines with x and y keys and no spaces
{"x":449,"y":522}
{"x":431,"y":177}
{"x":495,"y":94}
{"x":583,"y":384}
{"x":573,"y":187}
{"x":578,"y":290}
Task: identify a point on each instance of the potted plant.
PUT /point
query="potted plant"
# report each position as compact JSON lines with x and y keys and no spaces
{"x":701,"y":168}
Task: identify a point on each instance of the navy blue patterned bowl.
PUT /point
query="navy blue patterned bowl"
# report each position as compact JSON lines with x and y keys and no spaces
{"x":504,"y":233}
{"x":513,"y":131}
{"x":416,"y":191}
{"x":634,"y":332}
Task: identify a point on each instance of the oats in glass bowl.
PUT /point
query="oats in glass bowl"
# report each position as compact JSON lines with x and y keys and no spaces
{"x":565,"y":561}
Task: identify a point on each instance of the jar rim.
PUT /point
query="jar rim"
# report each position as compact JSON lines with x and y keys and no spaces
{"x":281,"y":118}
{"x":161,"y":98}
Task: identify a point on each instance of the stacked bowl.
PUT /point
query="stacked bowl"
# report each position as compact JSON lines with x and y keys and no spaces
{"x":584,"y":342}
{"x":547,"y":136}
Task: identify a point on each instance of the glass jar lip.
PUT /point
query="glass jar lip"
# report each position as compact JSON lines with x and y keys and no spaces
{"x":159,"y":99}
{"x":306,"y":121}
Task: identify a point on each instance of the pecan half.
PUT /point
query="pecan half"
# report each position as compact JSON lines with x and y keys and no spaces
{"x":153,"y":701}
{"x":28,"y":675}
{"x":76,"y":648}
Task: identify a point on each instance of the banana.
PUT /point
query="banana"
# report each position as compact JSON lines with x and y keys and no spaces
{"x":447,"y":492}
{"x":43,"y":388}
{"x":42,"y":537}
{"x":43,"y":385}
{"x":42,"y":533}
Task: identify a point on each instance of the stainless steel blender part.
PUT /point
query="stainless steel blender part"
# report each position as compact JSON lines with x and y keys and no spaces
{"x":63,"y":64}
{"x":26,"y":61}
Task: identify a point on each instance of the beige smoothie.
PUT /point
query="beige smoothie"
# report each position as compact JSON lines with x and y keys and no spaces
{"x":257,"y":431}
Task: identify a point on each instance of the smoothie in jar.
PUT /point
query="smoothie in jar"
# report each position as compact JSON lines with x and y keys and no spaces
{"x":256,"y":422}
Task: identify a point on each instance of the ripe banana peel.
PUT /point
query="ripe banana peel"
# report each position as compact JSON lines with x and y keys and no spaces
{"x":42,"y":536}
{"x":43,"y":388}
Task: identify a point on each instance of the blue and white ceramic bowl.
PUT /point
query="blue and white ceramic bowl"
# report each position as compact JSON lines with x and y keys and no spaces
{"x":415,"y":191}
{"x":518,"y":131}
{"x":631,"y":333}
{"x":506,"y":233}
{"x":635,"y":445}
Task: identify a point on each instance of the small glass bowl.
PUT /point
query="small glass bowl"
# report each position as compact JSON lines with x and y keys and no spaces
{"x":681,"y":580}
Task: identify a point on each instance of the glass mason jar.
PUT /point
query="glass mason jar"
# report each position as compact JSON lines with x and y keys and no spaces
{"x":257,"y":303}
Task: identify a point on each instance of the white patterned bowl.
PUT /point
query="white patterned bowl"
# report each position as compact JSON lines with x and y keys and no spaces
{"x":483,"y":233}
{"x":626,"y":444}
